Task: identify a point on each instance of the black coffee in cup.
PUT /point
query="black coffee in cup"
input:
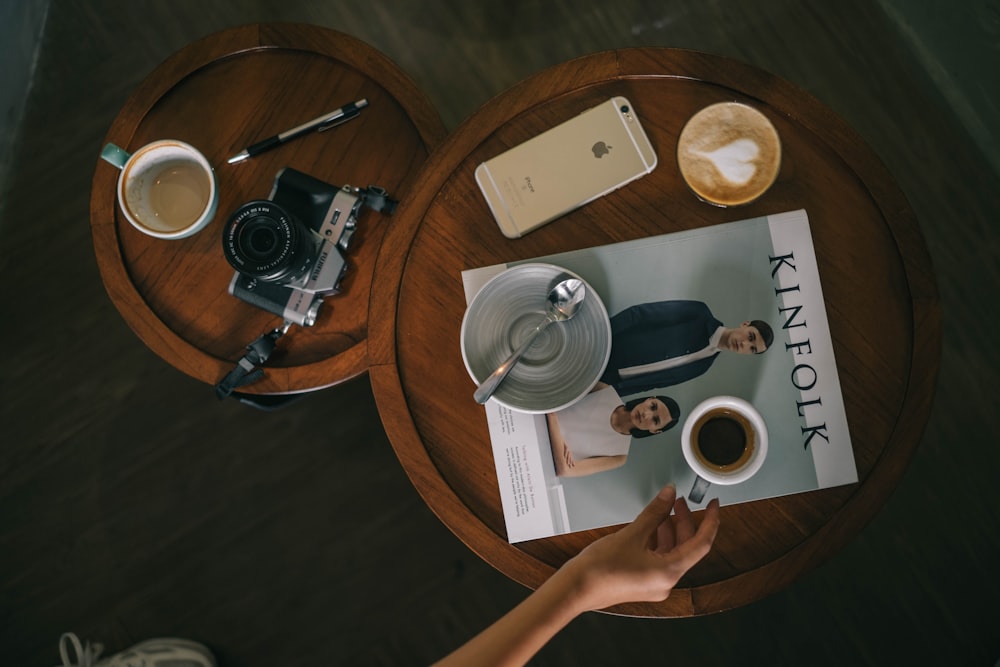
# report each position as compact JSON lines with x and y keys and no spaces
{"x":723,"y":439}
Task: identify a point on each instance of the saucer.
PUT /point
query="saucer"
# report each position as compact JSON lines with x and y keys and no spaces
{"x":563,"y":363}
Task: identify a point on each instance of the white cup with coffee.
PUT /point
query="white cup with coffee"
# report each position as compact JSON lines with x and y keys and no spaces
{"x":166,"y":189}
{"x":729,"y":154}
{"x":724,"y":440}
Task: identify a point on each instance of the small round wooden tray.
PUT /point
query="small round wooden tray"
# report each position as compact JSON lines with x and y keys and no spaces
{"x":222,"y":94}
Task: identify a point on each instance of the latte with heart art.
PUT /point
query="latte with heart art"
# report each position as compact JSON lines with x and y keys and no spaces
{"x":729,"y":154}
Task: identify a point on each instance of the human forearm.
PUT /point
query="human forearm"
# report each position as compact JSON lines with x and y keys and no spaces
{"x":520,"y":633}
{"x":641,"y":562}
{"x":593,"y":464}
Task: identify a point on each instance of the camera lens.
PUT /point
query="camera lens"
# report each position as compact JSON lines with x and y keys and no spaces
{"x":624,"y":108}
{"x":263,"y":240}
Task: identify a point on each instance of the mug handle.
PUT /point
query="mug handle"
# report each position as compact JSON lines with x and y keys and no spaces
{"x":115,"y":155}
{"x":698,"y":490}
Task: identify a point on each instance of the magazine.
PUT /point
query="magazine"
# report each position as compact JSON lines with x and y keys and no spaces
{"x":761,"y":269}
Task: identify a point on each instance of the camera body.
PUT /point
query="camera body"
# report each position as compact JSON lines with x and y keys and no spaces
{"x":288,"y":249}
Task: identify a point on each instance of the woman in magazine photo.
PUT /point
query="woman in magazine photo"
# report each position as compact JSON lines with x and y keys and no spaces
{"x":595,"y":433}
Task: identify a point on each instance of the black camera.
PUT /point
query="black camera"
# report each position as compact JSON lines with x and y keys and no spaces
{"x":288,"y":249}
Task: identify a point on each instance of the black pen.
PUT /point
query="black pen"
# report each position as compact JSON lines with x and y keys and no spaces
{"x":324,"y":122}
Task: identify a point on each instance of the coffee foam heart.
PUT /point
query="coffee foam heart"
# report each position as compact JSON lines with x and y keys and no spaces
{"x":729,"y":153}
{"x":735,"y":160}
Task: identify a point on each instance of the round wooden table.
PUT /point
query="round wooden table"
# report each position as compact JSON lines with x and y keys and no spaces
{"x":876,"y":276}
{"x":222,"y":94}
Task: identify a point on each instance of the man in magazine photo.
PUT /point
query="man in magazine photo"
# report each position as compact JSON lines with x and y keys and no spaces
{"x":665,"y":343}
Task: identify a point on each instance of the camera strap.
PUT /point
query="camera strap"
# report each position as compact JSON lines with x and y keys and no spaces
{"x":377,"y":199}
{"x":249,"y":368}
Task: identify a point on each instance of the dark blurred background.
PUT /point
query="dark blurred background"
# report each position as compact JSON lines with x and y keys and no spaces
{"x":133,"y":504}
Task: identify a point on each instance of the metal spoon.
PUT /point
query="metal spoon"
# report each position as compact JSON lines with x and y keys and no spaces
{"x":562,"y":303}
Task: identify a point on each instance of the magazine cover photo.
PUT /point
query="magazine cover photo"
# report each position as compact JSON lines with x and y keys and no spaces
{"x":733,"y":310}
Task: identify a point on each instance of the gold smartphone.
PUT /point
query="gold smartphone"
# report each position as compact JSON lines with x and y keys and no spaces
{"x":565,"y":167}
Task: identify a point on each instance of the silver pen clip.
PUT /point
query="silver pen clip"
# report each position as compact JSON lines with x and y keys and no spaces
{"x":337,"y":121}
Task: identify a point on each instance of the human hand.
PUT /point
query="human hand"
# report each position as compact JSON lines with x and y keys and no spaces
{"x":643,"y":561}
{"x":568,"y":457}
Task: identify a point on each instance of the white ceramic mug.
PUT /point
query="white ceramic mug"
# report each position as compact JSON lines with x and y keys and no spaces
{"x":711,"y":441}
{"x":166,"y":189}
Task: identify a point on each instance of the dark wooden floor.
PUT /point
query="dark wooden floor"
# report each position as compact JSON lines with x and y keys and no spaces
{"x":132,"y":504}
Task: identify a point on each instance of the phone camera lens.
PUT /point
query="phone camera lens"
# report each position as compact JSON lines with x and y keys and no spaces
{"x":624,"y":108}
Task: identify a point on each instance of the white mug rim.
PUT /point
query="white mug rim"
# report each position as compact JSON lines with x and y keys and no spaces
{"x":756,"y":460}
{"x":206,"y":215}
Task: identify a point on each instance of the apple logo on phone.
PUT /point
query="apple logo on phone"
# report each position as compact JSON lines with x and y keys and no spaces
{"x":600,"y":149}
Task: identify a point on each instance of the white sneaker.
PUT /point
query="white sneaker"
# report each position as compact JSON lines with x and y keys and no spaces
{"x":165,"y":652}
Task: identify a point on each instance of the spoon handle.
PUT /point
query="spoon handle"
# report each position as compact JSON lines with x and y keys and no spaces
{"x":490,"y":384}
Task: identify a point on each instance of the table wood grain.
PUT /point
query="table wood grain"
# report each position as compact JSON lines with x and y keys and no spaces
{"x":881,"y":299}
{"x":221,"y":94}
